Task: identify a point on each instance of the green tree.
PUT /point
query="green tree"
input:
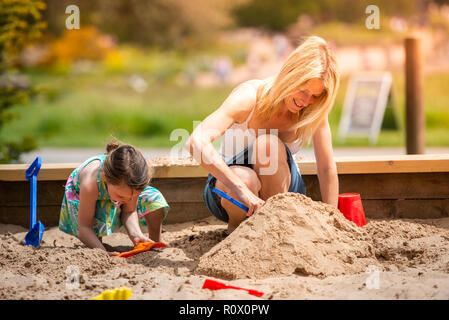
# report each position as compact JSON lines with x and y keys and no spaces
{"x":20,"y":24}
{"x":278,"y":15}
{"x":166,"y":23}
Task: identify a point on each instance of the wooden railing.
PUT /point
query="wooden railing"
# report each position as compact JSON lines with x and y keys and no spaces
{"x":408,"y":186}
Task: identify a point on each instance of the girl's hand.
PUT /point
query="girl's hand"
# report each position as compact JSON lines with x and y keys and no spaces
{"x":113,"y":253}
{"x":140,"y":238}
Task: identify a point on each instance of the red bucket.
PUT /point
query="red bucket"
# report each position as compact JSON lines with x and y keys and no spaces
{"x":350,"y":204}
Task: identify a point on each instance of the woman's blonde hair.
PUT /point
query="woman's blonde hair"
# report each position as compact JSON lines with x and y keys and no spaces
{"x":312,"y":59}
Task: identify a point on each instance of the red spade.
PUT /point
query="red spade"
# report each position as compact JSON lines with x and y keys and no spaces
{"x":216,"y":285}
{"x":141,"y":247}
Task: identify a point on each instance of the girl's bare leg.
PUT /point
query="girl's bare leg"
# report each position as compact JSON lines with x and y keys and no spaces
{"x":154,"y":224}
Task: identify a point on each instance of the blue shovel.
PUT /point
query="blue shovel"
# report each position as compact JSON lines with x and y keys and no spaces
{"x":228,"y":197}
{"x":34,"y":236}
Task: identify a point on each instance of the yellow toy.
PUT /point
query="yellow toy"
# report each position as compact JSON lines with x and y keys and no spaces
{"x":122,"y":293}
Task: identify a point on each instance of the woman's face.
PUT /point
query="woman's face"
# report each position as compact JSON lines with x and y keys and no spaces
{"x":305,"y":96}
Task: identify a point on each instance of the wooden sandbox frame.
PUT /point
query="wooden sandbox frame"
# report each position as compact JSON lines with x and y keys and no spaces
{"x":406,"y":186}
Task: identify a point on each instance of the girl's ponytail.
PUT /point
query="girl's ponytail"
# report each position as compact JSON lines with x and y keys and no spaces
{"x":111,"y":146}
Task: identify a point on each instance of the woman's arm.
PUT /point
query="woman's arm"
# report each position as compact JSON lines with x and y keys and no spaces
{"x":236,"y":108}
{"x":326,"y":167}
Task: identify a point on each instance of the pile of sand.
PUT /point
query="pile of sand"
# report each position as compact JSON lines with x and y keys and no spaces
{"x":291,"y":234}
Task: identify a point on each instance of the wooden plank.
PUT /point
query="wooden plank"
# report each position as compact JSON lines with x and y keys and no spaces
{"x":17,"y":193}
{"x":186,"y":211}
{"x":407,"y":208}
{"x":387,"y":186}
{"x":181,"y":189}
{"x":345,"y":165}
{"x":48,"y":171}
{"x":370,"y":186}
{"x":190,"y":211}
{"x":393,"y":164}
{"x":177,"y":171}
{"x":397,"y":185}
{"x":49,"y":215}
{"x":20,"y":215}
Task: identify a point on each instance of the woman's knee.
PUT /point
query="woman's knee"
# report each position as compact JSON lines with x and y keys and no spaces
{"x":268,"y":153}
{"x":248,"y":177}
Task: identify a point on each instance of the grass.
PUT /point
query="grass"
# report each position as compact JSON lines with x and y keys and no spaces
{"x":88,"y":110}
{"x":360,"y":35}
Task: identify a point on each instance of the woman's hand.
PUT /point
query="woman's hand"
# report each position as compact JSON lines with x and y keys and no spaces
{"x":252,"y":201}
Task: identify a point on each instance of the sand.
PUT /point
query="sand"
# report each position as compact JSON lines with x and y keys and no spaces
{"x":291,"y":234}
{"x":293,"y":248}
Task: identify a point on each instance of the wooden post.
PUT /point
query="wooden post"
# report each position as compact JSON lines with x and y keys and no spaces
{"x":415,"y":118}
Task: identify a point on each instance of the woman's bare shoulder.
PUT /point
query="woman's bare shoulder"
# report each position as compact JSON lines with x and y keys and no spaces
{"x":252,"y":85}
{"x":242,"y":100}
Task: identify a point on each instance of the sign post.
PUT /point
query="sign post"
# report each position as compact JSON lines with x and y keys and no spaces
{"x":366,"y":98}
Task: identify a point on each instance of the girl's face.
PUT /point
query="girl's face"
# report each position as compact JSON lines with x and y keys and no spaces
{"x":121,"y":194}
{"x":305,"y":96}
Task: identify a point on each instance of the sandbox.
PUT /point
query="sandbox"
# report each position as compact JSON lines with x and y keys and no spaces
{"x":397,"y":255}
{"x":410,"y":256}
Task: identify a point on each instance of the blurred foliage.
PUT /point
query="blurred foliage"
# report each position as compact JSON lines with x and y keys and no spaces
{"x":161,"y":65}
{"x":86,"y":43}
{"x":278,"y":15}
{"x":165,"y":23}
{"x":20,"y":25}
{"x":439,"y":18}
{"x":100,"y":105}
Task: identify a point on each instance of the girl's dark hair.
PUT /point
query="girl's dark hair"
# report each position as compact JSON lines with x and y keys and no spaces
{"x":126,"y":164}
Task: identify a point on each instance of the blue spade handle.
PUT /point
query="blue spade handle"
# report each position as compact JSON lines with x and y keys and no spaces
{"x":228,"y":197}
{"x":31,"y":174}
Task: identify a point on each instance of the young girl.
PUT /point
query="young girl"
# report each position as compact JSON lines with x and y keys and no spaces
{"x":108,"y":191}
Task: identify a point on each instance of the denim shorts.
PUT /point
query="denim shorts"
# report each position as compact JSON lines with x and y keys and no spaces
{"x":212,"y":200}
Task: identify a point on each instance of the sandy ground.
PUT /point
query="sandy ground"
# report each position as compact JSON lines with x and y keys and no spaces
{"x":410,"y":261}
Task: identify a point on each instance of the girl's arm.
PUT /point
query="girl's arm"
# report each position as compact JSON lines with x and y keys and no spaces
{"x":326,"y":167}
{"x":236,"y":108}
{"x":130,"y":220}
{"x":86,"y":209}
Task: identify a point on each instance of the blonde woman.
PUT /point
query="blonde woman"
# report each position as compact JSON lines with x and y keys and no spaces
{"x":264,"y":122}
